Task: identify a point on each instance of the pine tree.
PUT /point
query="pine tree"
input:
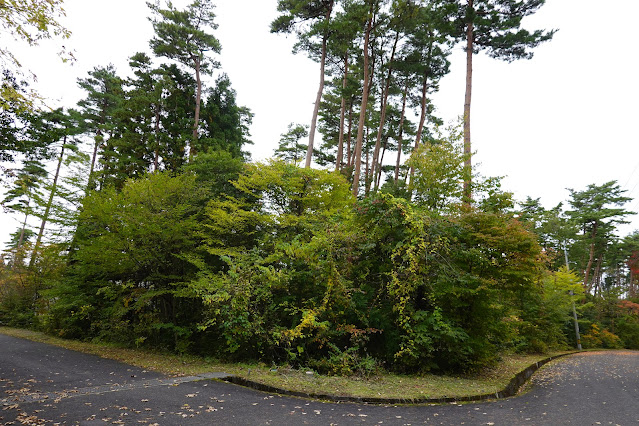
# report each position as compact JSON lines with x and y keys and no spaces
{"x":311,"y":20}
{"x":24,"y":197}
{"x":104,"y":96}
{"x":493,"y":26}
{"x":225,"y":124}
{"x":597,"y":210}
{"x":290,"y":148}
{"x":55,"y":127}
{"x":184,"y":36}
{"x":14,"y":122}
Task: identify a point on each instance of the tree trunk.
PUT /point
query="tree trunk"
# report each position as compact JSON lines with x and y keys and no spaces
{"x":198,"y":100}
{"x":591,"y":258}
{"x":367,"y":170}
{"x":320,"y":91}
{"x":24,"y":227}
{"x":401,"y":133}
{"x":156,"y":156}
{"x":349,"y":150}
{"x":469,"y":87}
{"x":94,"y":157}
{"x":596,"y":277}
{"x":378,"y":175}
{"x":422,"y":115}
{"x":45,"y":216}
{"x":422,"y":120}
{"x":342,"y":118}
{"x":362,"y":114}
{"x":384,"y":104}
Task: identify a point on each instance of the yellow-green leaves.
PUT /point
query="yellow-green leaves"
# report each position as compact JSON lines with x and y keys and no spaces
{"x":28,"y":21}
{"x":439,"y":171}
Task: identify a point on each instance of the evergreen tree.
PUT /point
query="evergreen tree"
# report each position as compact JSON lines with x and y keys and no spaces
{"x":184,"y":36}
{"x":493,"y":26}
{"x":136,"y":146}
{"x":290,"y":148}
{"x":104,"y":96}
{"x":311,"y":20}
{"x":24,"y":197}
{"x":597,"y":210}
{"x":14,"y":124}
{"x":225,"y":125}
{"x":53,"y":128}
{"x":175,"y":122}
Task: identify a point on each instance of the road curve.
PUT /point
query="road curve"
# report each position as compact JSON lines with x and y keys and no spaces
{"x":42,"y":384}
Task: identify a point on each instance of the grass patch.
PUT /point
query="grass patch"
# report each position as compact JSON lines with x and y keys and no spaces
{"x":379,"y":386}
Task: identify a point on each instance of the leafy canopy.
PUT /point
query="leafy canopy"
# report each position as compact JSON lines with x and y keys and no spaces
{"x":182,"y":35}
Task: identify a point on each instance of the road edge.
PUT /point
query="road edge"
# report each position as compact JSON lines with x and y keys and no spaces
{"x":511,"y":389}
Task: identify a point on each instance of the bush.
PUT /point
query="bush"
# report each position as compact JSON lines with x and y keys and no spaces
{"x":598,"y":338}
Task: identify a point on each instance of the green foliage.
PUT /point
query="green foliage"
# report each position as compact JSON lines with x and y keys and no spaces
{"x":214,"y":171}
{"x":145,"y":123}
{"x":286,"y":267}
{"x":225,"y":125}
{"x":129,"y":273}
{"x":497,"y":27}
{"x":290,"y":148}
{"x":16,"y":295}
{"x":182,"y":34}
{"x":22,"y":289}
{"x":15,"y":118}
{"x":598,"y":338}
{"x":596,"y":212}
{"x":277,"y":261}
{"x":548,"y":317}
{"x":281,"y":264}
{"x":497,"y":280}
{"x":454,"y":287}
{"x":29,"y":21}
{"x":438,"y":172}
{"x":627,"y":324}
{"x":294,"y":197}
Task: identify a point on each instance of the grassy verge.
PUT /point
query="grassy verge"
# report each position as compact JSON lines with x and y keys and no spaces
{"x":380,"y":386}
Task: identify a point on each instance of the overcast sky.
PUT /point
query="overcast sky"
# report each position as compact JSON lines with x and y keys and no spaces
{"x":564,"y":119}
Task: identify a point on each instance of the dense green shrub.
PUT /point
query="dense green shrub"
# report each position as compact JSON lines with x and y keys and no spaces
{"x":285,"y":266}
{"x":128,"y":278}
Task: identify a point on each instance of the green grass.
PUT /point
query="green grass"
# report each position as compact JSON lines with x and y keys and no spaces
{"x":379,"y":386}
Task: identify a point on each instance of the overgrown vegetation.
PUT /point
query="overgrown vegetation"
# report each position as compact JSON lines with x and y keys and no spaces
{"x":382,"y":385}
{"x":156,"y":231}
{"x":288,"y":268}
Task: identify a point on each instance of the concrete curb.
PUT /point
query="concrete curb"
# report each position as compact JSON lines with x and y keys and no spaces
{"x":510,"y":390}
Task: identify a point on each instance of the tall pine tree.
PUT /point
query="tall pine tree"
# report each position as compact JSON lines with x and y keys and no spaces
{"x":184,"y":36}
{"x":493,"y":26}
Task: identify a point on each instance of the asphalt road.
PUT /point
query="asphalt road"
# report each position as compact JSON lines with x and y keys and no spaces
{"x":42,"y":384}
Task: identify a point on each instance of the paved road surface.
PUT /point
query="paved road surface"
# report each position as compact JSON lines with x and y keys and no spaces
{"x":41,"y":384}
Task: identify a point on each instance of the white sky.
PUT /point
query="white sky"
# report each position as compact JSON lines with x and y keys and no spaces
{"x":561,"y":120}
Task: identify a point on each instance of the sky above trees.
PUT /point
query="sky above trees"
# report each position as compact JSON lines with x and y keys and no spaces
{"x":561,"y":120}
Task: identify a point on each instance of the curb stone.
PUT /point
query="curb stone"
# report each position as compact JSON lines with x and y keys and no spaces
{"x":511,"y":389}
